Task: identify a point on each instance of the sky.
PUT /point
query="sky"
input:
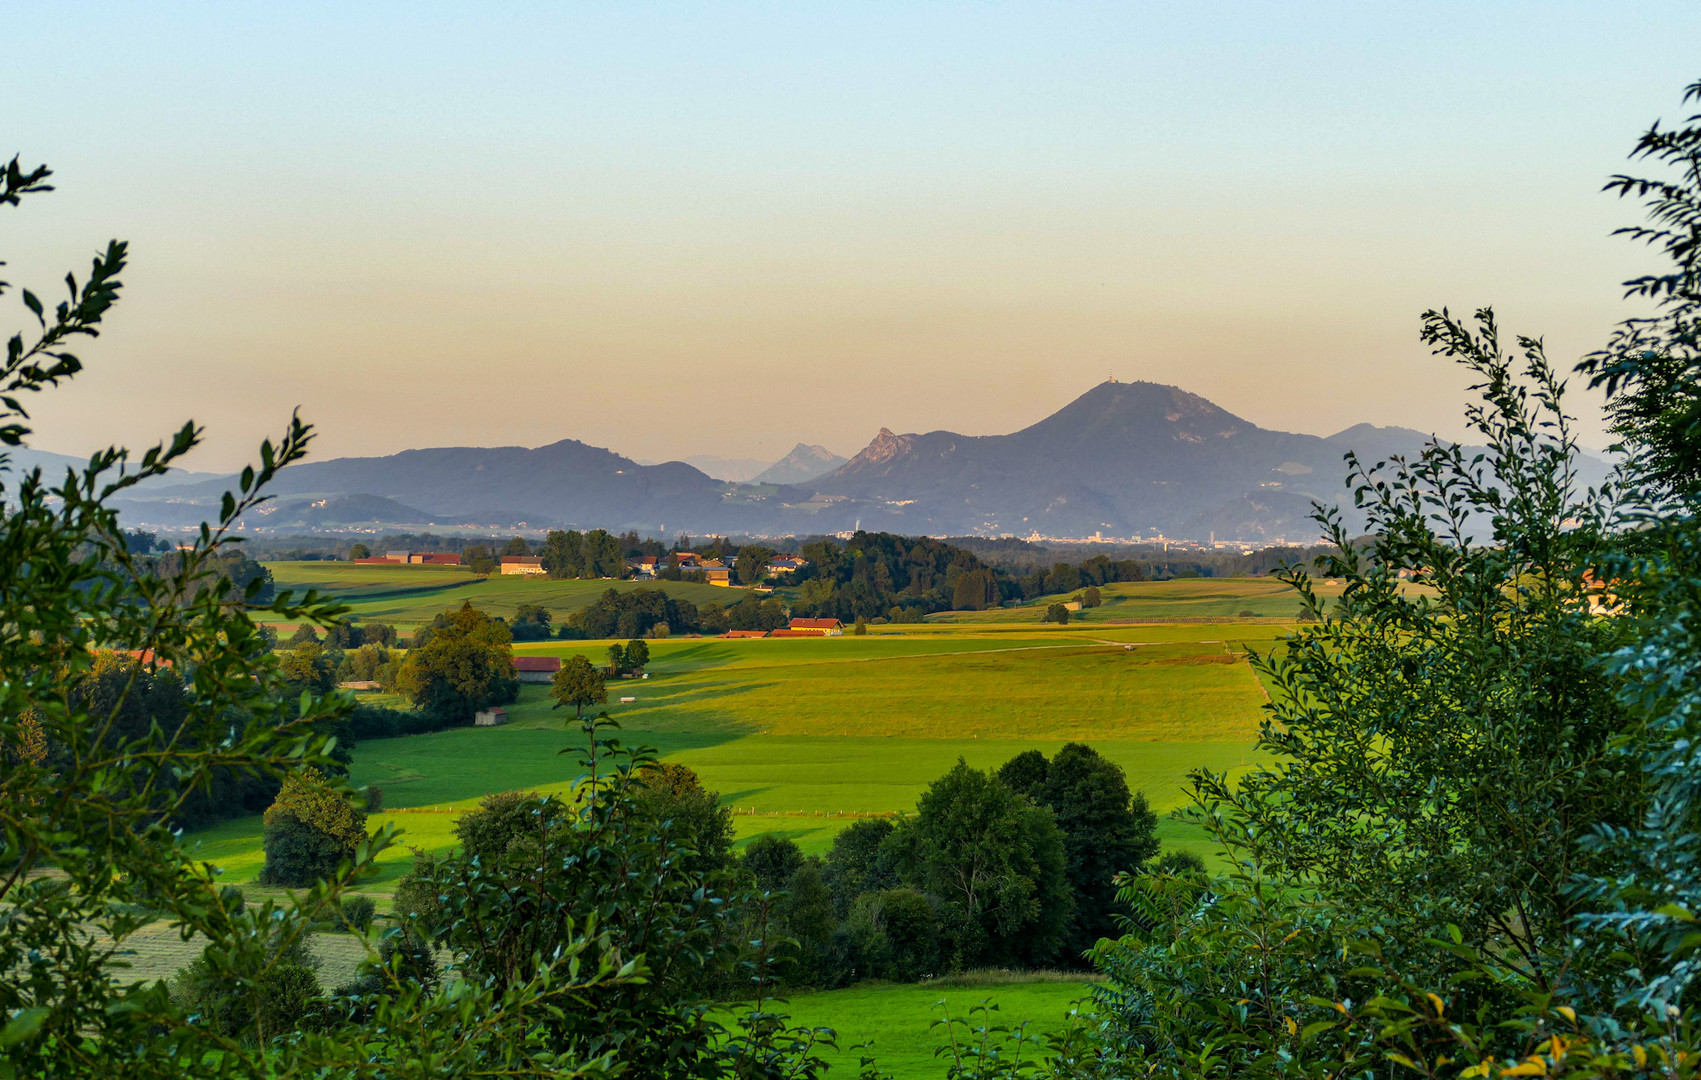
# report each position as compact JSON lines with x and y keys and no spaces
{"x":677,"y":229}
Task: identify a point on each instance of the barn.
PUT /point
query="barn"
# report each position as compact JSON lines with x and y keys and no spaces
{"x":540,"y":669}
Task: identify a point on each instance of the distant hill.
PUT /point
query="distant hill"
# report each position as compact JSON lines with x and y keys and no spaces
{"x":53,"y":466}
{"x":564,"y":484}
{"x":1122,"y":460}
{"x":803,"y":464}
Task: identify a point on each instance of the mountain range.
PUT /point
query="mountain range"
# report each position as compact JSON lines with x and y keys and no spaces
{"x":1122,"y":460}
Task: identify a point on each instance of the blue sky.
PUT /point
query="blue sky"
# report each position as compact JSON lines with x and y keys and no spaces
{"x":675,"y":229}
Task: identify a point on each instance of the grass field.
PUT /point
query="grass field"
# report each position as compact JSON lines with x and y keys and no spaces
{"x":1179,"y":598}
{"x":406,"y":596}
{"x":898,"y":1019}
{"x":801,"y":735}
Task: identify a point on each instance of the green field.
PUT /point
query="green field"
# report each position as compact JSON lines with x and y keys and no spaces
{"x":406,"y":596}
{"x":898,"y":1020}
{"x":802,"y":735}
{"x":1178,"y":598}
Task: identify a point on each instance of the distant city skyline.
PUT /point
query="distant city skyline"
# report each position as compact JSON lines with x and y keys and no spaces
{"x":725,"y":229}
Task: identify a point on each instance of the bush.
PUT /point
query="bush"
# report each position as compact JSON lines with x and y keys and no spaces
{"x":502,"y":818}
{"x":405,"y":961}
{"x":273,"y":1003}
{"x":283,"y":998}
{"x":771,"y":860}
{"x":232,"y":900}
{"x":310,"y":829}
{"x":357,"y":913}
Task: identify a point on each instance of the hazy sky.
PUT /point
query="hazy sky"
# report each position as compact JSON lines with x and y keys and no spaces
{"x":674,"y":229}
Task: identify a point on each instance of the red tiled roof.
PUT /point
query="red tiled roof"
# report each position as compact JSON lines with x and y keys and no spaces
{"x":790,"y":632}
{"x":537,"y":663}
{"x":747,"y":633}
{"x":816,"y":624}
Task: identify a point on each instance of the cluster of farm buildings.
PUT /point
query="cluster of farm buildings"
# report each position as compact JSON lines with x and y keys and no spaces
{"x":648,"y":567}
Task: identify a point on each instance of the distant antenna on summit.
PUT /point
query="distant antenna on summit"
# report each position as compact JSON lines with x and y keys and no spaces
{"x":1110,"y":379}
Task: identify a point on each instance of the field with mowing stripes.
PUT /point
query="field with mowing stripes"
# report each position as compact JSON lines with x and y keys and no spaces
{"x":406,"y":596}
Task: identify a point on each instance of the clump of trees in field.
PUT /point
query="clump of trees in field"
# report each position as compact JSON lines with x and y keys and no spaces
{"x":1012,"y":868}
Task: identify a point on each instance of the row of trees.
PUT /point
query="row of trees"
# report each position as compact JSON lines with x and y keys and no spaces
{"x":882,"y":576}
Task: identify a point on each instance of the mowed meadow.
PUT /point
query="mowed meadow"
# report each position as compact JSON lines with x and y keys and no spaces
{"x":408,"y":596}
{"x":802,"y":735}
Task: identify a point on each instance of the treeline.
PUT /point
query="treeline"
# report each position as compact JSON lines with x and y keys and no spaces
{"x":902,"y":579}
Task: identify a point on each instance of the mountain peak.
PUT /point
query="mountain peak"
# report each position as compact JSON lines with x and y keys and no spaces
{"x":806,"y":462}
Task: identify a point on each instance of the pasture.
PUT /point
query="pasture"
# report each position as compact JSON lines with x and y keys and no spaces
{"x":1177,"y":598}
{"x":800,"y":735}
{"x":408,"y":596}
{"x":898,"y":1021}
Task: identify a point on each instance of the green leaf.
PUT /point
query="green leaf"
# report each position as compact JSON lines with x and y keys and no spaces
{"x":25,"y":1025}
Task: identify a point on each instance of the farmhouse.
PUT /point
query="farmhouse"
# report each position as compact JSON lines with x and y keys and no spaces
{"x":493,"y":717}
{"x":536,"y":668}
{"x":435,"y":558}
{"x":817,"y":627}
{"x":522,"y":564}
{"x":645,"y":566}
{"x":745,"y":633}
{"x":786,"y":566}
{"x":717,"y":575}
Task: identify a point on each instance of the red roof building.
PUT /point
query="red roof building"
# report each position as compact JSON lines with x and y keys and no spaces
{"x":818,"y":627}
{"x":747,"y":633}
{"x":538,"y":669}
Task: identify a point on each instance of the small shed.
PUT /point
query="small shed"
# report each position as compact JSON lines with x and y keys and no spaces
{"x":494,"y":717}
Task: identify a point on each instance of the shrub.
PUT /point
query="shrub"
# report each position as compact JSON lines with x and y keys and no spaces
{"x":357,"y":913}
{"x":405,"y":961}
{"x":503,"y":817}
{"x":309,"y":830}
{"x":273,"y":1003}
{"x":232,"y":900}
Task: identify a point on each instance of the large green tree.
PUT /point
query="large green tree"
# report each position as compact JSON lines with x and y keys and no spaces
{"x":752,"y":564}
{"x":996,"y":861}
{"x":467,"y":664}
{"x":578,"y":683}
{"x":1107,"y":830}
